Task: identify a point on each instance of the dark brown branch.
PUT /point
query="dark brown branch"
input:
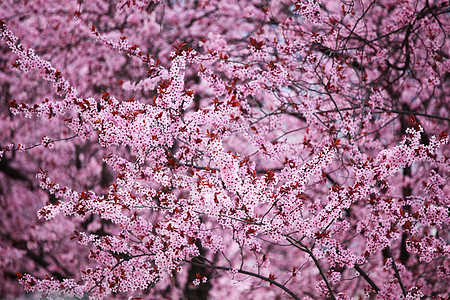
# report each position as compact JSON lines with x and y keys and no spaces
{"x":405,"y":112}
{"x":383,"y":110}
{"x":302,"y":247}
{"x":322,"y":273}
{"x":367,"y":278}
{"x":397,"y":274}
{"x":256,"y":275}
{"x":12,"y":172}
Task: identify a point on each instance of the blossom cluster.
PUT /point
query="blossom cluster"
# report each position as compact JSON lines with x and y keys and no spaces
{"x":217,"y":149}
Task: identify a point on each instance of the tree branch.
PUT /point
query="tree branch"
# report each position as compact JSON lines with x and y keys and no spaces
{"x":405,"y":112}
{"x":316,"y":262}
{"x":397,"y":274}
{"x":366,"y":278}
{"x":256,"y":275}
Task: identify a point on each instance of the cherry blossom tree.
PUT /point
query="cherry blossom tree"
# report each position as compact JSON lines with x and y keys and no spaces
{"x":223,"y":149}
